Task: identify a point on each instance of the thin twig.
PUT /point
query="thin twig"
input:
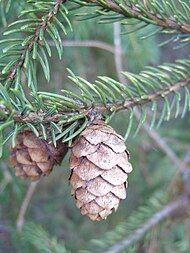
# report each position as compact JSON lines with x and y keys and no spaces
{"x":25,"y":204}
{"x":86,"y":43}
{"x":178,"y":205}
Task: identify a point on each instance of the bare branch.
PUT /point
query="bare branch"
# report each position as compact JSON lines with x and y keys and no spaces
{"x":25,"y":204}
{"x":178,"y":205}
{"x":86,"y":43}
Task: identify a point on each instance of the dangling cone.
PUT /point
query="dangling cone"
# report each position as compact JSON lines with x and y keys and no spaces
{"x":99,"y":171}
{"x":33,"y":157}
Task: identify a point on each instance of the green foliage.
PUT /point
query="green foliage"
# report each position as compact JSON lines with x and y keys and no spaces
{"x":41,"y":240}
{"x":109,"y":96}
{"x":30,"y":44}
{"x":22,"y":53}
{"x":31,"y":98}
{"x":169,"y":17}
{"x":6,"y":10}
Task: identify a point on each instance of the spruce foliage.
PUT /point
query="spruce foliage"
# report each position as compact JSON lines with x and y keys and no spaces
{"x":31,"y":32}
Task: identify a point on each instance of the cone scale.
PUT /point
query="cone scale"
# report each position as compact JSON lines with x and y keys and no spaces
{"x":99,"y":170}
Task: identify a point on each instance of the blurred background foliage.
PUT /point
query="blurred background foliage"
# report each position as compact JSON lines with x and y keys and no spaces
{"x":53,"y":223}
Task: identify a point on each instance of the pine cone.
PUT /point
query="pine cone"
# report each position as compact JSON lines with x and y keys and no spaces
{"x":33,"y":157}
{"x":99,"y":164}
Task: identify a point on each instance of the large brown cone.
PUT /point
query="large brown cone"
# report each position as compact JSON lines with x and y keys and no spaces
{"x":33,"y":157}
{"x":99,"y":164}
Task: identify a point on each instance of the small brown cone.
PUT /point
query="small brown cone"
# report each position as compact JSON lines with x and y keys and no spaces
{"x":32,"y":157}
{"x":99,"y":168}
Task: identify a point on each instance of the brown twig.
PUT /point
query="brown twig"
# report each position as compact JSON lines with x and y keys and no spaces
{"x":134,"y":11}
{"x":181,"y":203}
{"x":25,"y":204}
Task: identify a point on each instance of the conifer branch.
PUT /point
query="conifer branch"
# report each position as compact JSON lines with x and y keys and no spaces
{"x":105,"y":95}
{"x":181,"y":204}
{"x":23,"y":51}
{"x":101,"y":108}
{"x":153,"y":97}
{"x":35,"y":39}
{"x":69,"y":113}
{"x":39,"y":238}
{"x":134,"y":10}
